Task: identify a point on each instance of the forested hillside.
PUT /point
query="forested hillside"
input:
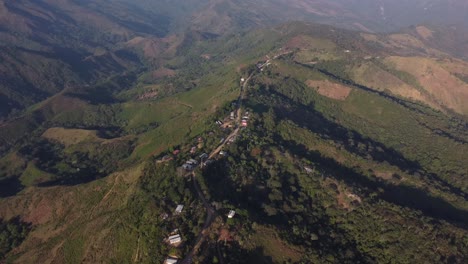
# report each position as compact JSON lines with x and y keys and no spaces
{"x":206,"y":132}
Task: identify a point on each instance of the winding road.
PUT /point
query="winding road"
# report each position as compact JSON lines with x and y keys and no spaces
{"x":210,"y":216}
{"x":210,"y":211}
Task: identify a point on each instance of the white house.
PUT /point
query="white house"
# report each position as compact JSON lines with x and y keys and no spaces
{"x":231,"y":214}
{"x":179,"y":209}
{"x":175,"y":239}
{"x":171,"y":261}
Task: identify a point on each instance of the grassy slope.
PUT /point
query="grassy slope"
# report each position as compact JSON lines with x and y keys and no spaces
{"x":68,"y":225}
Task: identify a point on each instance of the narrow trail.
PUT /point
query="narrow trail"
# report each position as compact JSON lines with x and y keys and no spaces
{"x":53,"y":254}
{"x":184,"y":104}
{"x":220,"y":147}
{"x":137,"y":255}
{"x":105,"y":196}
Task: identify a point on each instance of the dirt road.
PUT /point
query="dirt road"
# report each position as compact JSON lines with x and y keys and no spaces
{"x":210,"y":212}
{"x":210,"y":216}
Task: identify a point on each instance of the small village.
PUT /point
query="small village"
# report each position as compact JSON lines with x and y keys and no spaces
{"x":232,"y":125}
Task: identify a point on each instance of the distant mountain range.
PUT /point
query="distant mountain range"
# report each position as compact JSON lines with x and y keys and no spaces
{"x":367,"y":15}
{"x":48,"y":45}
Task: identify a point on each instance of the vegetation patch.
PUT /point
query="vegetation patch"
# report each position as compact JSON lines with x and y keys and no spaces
{"x":69,"y":137}
{"x":32,"y":175}
{"x":274,"y":247}
{"x":12,"y":234}
{"x":329,"y":89}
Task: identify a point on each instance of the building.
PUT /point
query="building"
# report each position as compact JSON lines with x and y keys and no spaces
{"x":175,"y":239}
{"x":244,"y":123}
{"x":192,"y":162}
{"x":171,"y":261}
{"x":308,"y":169}
{"x":188,"y":167}
{"x":179,"y":209}
{"x":231,"y":214}
{"x":223,"y":153}
{"x":203,"y":156}
{"x":232,"y":115}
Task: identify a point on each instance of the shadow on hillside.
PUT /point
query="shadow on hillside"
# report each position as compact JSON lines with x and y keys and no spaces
{"x":224,"y":187}
{"x":10,"y":187}
{"x":405,"y":196}
{"x":239,"y":255}
{"x":307,"y":117}
{"x":70,"y":181}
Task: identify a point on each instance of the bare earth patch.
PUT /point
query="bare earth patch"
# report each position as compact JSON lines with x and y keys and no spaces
{"x":441,"y":84}
{"x":163,"y":72}
{"x":375,"y":78}
{"x":424,"y":32}
{"x":330,"y":89}
{"x":370,"y":37}
{"x":344,"y":197}
{"x":225,"y":235}
{"x":302,"y":42}
{"x":39,"y":214}
{"x":148,"y":95}
{"x":384,"y":175}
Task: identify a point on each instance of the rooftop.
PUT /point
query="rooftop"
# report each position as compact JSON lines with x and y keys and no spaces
{"x":231,"y":214}
{"x":179,"y":208}
{"x":171,"y":261}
